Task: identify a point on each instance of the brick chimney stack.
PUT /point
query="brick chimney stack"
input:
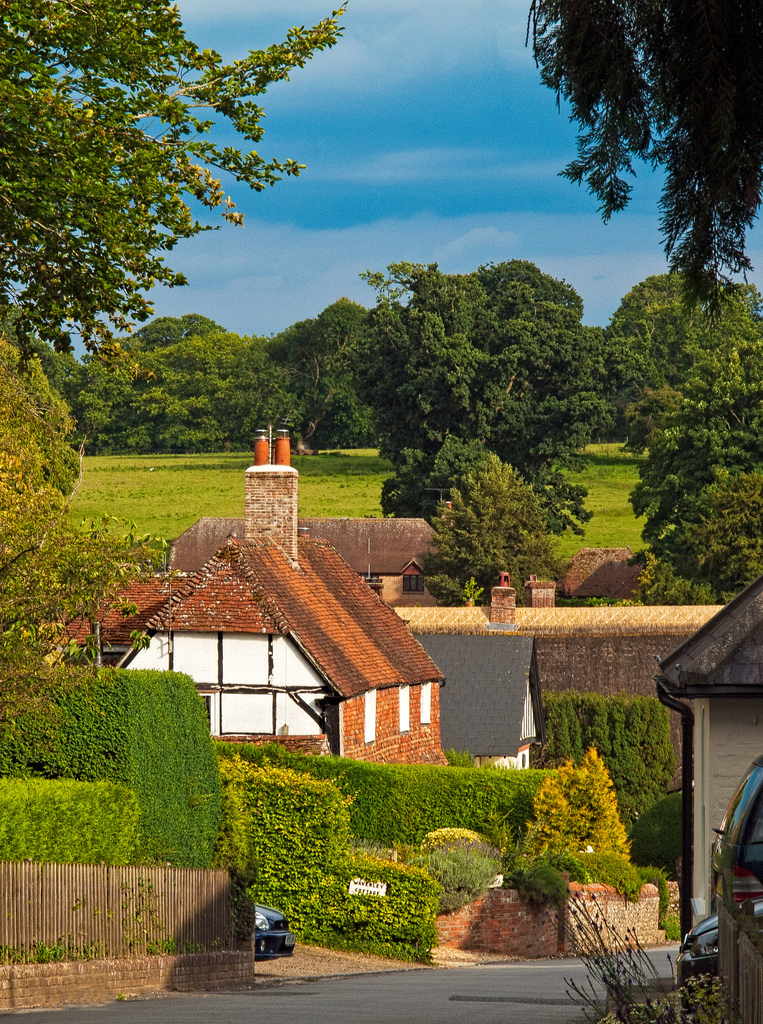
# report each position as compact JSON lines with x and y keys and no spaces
{"x":540,"y":593}
{"x":270,"y":495}
{"x":503,"y":604}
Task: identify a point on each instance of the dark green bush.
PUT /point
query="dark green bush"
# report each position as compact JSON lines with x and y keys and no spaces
{"x":656,"y":836}
{"x":610,"y":869}
{"x":294,"y":830}
{"x":399,"y":803}
{"x":631,"y":735}
{"x":68,"y":822}
{"x":145,"y":729}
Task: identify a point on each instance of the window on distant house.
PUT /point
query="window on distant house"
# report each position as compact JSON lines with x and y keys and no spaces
{"x":405,"y":709}
{"x":413,"y":582}
{"x":370,"y":716}
{"x":426,"y":703}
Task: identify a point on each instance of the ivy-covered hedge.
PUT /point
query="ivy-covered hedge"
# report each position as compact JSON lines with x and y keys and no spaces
{"x":396,"y":804}
{"x":147,"y":730}
{"x":68,"y":822}
{"x":294,"y":832}
{"x":631,"y":734}
{"x":656,"y":836}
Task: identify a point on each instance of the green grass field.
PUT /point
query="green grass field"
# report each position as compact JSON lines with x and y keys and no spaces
{"x":165,"y":494}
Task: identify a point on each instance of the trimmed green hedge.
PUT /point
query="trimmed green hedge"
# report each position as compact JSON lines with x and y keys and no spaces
{"x":631,"y":735}
{"x":656,"y":836}
{"x":148,"y":730}
{"x":294,"y":831}
{"x":397,"y":804}
{"x":68,"y":822}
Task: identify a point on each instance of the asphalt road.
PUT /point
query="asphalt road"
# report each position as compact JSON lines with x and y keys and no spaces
{"x":527,"y":992}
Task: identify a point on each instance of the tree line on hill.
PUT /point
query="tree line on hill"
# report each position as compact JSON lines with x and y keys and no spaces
{"x":447,"y":372}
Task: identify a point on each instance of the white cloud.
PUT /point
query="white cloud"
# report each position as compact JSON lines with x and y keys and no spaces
{"x":261,"y":279}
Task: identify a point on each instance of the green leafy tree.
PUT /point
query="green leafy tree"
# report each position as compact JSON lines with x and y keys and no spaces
{"x":664,"y":84}
{"x":493,"y":361}
{"x":716,"y":431}
{"x":114,"y":123}
{"x":321,"y":357}
{"x":495,"y":524}
{"x":51,"y":571}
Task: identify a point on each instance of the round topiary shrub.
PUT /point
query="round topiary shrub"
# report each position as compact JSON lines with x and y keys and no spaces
{"x":656,"y":836}
{"x":442,"y":837}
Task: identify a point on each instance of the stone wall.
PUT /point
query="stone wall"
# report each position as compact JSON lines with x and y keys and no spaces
{"x":23,"y":986}
{"x":502,"y":921}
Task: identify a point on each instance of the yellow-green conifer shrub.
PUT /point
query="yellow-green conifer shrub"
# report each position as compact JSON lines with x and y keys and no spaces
{"x":577,"y":809}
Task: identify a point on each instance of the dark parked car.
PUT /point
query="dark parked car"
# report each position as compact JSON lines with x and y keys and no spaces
{"x":272,"y":937}
{"x":699,"y":951}
{"x":738,"y":854}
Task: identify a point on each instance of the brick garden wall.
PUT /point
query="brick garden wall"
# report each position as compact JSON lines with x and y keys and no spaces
{"x":420,"y":745}
{"x":502,"y":921}
{"x":23,"y":986}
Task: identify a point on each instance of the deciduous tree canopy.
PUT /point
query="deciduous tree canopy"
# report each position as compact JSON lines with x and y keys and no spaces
{"x":110,"y":116}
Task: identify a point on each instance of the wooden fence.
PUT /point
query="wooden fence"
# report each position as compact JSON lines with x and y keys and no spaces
{"x":103,"y":910}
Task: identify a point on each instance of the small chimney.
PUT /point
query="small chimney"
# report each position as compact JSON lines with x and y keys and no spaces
{"x":270,"y":495}
{"x":540,"y":593}
{"x":503,"y":603}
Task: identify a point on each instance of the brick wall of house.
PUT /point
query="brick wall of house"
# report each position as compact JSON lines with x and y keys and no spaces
{"x":23,"y":986}
{"x":393,"y":594}
{"x":419,"y":745}
{"x":501,"y":922}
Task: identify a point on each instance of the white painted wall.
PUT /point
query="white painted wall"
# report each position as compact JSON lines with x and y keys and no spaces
{"x":245,"y":659}
{"x":728,"y":736}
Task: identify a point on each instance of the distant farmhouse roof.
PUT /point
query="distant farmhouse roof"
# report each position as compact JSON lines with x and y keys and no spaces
{"x":622,"y":621}
{"x":487,"y":680}
{"x":387,"y":546}
{"x":344,"y":629}
{"x":587,"y":561}
{"x":616,"y":580}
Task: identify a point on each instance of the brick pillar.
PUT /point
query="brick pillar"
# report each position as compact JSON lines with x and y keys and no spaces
{"x":540,"y":593}
{"x":270,"y":506}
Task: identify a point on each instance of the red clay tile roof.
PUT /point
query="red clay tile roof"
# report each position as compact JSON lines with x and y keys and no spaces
{"x":222,"y":597}
{"x":387,"y":545}
{"x":148,"y":594}
{"x":612,"y":579}
{"x":586,"y":561}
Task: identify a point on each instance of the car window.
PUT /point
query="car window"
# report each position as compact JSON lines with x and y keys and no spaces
{"x":750,"y":790}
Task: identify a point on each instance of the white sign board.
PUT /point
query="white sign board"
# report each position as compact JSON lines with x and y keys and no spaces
{"x":364,"y":888}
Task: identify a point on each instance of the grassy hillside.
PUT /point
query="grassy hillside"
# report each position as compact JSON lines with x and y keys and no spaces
{"x":164,"y":494}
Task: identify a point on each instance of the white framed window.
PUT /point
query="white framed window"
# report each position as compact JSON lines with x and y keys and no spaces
{"x":426,"y":703}
{"x":370,"y":716}
{"x":405,"y":708}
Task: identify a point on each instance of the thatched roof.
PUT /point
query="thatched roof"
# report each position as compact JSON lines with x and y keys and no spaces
{"x":620,"y":621}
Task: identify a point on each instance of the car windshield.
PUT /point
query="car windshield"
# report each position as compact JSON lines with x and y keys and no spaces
{"x":739,"y":806}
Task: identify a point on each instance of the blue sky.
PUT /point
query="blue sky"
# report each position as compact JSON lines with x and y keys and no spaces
{"x":427,"y":137}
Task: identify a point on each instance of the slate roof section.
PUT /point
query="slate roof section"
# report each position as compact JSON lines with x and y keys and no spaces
{"x":482,"y":702}
{"x":616,"y":580}
{"x":388,"y":545}
{"x":346,"y":631}
{"x":718,"y":660}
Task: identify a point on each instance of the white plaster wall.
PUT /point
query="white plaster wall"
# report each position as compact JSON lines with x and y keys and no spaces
{"x":196,"y":654}
{"x":245,"y":659}
{"x":247,"y":712}
{"x":156,"y":655}
{"x":291,"y":668}
{"x":290,"y":714}
{"x":728,"y":736}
